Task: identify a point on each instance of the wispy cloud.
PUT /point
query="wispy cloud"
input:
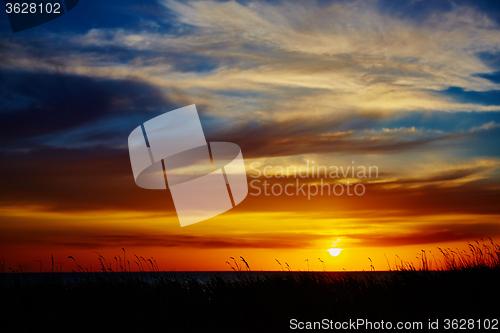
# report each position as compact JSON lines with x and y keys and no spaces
{"x":342,"y":57}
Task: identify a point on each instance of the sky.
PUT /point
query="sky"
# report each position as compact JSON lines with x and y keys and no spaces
{"x":409,"y":87}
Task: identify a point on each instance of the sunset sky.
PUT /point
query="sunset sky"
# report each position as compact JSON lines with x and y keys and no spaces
{"x":411,"y":87}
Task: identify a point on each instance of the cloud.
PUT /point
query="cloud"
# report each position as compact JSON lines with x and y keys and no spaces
{"x":75,"y":180}
{"x":44,"y":107}
{"x":316,"y":136}
{"x":439,"y":233}
{"x":286,"y":59}
{"x":190,"y":241}
{"x":400,"y":130}
{"x":485,"y":127}
{"x":446,"y":175}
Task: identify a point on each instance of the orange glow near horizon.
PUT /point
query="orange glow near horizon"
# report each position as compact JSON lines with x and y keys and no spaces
{"x":299,"y":240}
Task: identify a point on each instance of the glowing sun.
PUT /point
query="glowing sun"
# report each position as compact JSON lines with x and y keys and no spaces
{"x":334,"y":252}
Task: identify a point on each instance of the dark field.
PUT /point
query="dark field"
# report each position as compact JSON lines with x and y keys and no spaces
{"x":244,"y":301}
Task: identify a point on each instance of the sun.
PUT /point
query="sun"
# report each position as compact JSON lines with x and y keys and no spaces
{"x":334,"y":251}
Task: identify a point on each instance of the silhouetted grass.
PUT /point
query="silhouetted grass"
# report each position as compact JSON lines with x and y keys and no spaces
{"x":467,"y":286}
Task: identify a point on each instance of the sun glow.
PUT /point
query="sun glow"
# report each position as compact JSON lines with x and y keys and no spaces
{"x":334,"y":251}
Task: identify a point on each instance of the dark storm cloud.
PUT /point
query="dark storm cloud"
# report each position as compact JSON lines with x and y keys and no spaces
{"x":36,"y":104}
{"x":75,"y":180}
